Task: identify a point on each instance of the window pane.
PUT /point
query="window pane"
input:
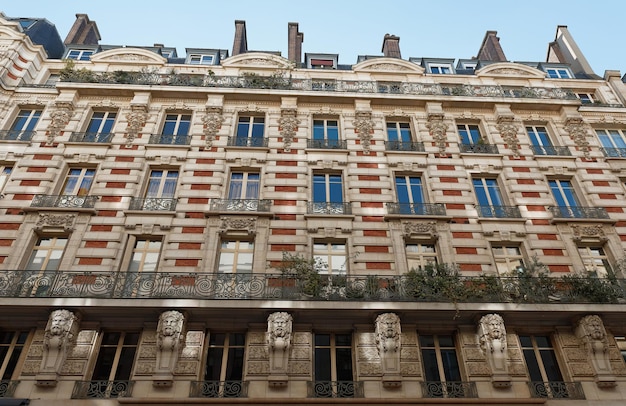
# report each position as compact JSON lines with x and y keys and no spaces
{"x":322,"y":364}
{"x":344,"y":364}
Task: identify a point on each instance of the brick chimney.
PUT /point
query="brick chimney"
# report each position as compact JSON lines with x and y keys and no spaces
{"x":490,"y":49}
{"x":83,"y":32}
{"x":391,"y":46}
{"x":240,"y":44}
{"x":295,"y":39}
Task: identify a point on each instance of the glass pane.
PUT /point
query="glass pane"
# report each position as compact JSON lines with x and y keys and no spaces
{"x":392,"y":132}
{"x":343,"y":340}
{"x":322,"y":364}
{"x":243,"y":127}
{"x":427,"y":341}
{"x":319,"y":188}
{"x":125,"y":363}
{"x":257,"y":128}
{"x":402,"y":190}
{"x":533,"y":366}
{"x":318,"y":129}
{"x":106,"y":358}
{"x":214,"y":364}
{"x":322,"y":339}
{"x":450,"y":365}
{"x":335,"y":189}
{"x":217,"y":339}
{"x":234,"y":364}
{"x":344,"y":364}
{"x":553,"y":373}
{"x":431,"y":369}
{"x":227,"y":259}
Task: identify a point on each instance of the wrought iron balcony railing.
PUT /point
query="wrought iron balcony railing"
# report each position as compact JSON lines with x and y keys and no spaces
{"x":153,"y":204}
{"x":328,"y":85}
{"x":417,"y":209}
{"x":404,"y":146}
{"x":16,"y":135}
{"x":64,"y":201}
{"x":499,"y":211}
{"x":327,"y":144}
{"x":170,"y":139}
{"x":329,"y":208}
{"x":253,"y":205}
{"x":614,"y":152}
{"x":556,"y":390}
{"x":454,"y":389}
{"x":578,"y":212}
{"x":479,"y":148}
{"x":335,"y":389}
{"x":218,"y":389}
{"x":96,"y":138}
{"x":7,"y":388}
{"x":256,"y":142}
{"x":102,"y":389}
{"x":248,"y":286}
{"x":550,"y":150}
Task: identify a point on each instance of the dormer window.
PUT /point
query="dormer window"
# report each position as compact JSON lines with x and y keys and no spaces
{"x":440,"y":68}
{"x":585,"y":98}
{"x":321,"y":64}
{"x":321,"y":61}
{"x":559,"y":73}
{"x":196,"y":59}
{"x":79,"y":54}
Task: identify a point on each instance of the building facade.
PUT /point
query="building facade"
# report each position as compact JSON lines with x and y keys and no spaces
{"x":240,"y":227}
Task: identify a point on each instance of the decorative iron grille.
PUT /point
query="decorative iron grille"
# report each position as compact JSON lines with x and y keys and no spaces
{"x":498,"y":211}
{"x":550,"y":150}
{"x":417,"y":209}
{"x":329,"y":208}
{"x":479,"y":148}
{"x":69,"y":201}
{"x":335,"y":389}
{"x":435,"y":389}
{"x":256,"y":142}
{"x":253,"y":205}
{"x":102,"y":389}
{"x":7,"y":388}
{"x":153,"y":204}
{"x":170,"y":139}
{"x":16,"y":135}
{"x":98,"y":138}
{"x":556,"y":390}
{"x":218,"y":389}
{"x":327,"y":144}
{"x":404,"y":146}
{"x":578,"y":212}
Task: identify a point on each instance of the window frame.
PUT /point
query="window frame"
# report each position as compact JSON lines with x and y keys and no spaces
{"x":236,"y":266}
{"x":467,"y":135}
{"x":570,"y":200}
{"x":38,"y":246}
{"x":201,"y":59}
{"x":401,"y":128}
{"x":80,"y":54}
{"x":226,"y":360}
{"x":441,"y":67}
{"x":328,"y":136}
{"x":253,"y":122}
{"x":181,"y":124}
{"x":558,"y":72}
{"x":590,"y":261}
{"x":333,"y":346}
{"x":329,"y":252}
{"x":11,"y":365}
{"x":5,"y":176}
{"x":117,"y":357}
{"x":29,"y":122}
{"x":158,"y":187}
{"x":249,"y":189}
{"x":539,"y":358}
{"x":613,"y":138}
{"x":508,"y":258}
{"x":86,"y":174}
{"x":443,"y":371}
{"x":101,"y":125}
{"x":422,"y":256}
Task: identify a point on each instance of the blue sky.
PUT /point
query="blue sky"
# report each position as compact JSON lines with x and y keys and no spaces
{"x":444,"y":29}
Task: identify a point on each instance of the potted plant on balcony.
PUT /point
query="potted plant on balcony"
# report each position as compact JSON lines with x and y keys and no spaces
{"x":304,"y":271}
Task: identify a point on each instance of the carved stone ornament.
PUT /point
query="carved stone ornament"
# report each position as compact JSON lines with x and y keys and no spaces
{"x":279,"y":329}
{"x":136,"y":119}
{"x":388,"y":342}
{"x":590,"y":329}
{"x":364,"y":127}
{"x":576,"y":130}
{"x":288,"y":126}
{"x":230,"y":224}
{"x":129,"y":57}
{"x":588,"y":232}
{"x":59,"y":118}
{"x":508,"y":132}
{"x":424,"y":229}
{"x":169,"y":339}
{"x":55,"y":221}
{"x":493,"y":343}
{"x":437,"y":129}
{"x":59,"y":336}
{"x":211,"y":124}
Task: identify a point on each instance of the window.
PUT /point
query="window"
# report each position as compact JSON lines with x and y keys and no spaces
{"x":585,"y":98}
{"x":419,"y":255}
{"x":566,"y":200}
{"x":490,"y":202}
{"x":236,"y":256}
{"x":469,"y":133}
{"x":47,"y":254}
{"x":325,"y":134}
{"x":543,"y":368}
{"x":410,"y":194}
{"x":440,"y":68}
{"x":442,"y":373}
{"x":332,"y":254}
{"x":322,"y":64}
{"x":201,"y":59}
{"x":100,"y":126}
{"x":595,"y":261}
{"x":558,"y":73}
{"x":175,"y":129}
{"x":541,"y":144}
{"x":78,"y":181}
{"x":5,"y":173}
{"x":145,"y":255}
{"x":333,"y":372}
{"x":23,"y":127}
{"x":328,"y":194}
{"x":12,"y":344}
{"x":160,"y":192}
{"x":399,"y":137}
{"x":613,"y":143}
{"x":224,"y":365}
{"x":244,"y":185}
{"x":508,"y":259}
{"x":114,"y":364}
{"x":621,"y":345}
{"x":250,"y":131}
{"x":80,"y":54}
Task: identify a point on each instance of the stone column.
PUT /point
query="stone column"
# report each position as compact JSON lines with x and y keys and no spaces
{"x":60,"y":333}
{"x":388,"y":342}
{"x":169,"y":339}
{"x":279,"y":329}
{"x":492,"y":339}
{"x":590,"y":329}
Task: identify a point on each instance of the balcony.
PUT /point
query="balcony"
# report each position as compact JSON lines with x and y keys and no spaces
{"x":577,"y":212}
{"x":478,"y":148}
{"x":408,"y":146}
{"x":93,"y":138}
{"x":102,"y":389}
{"x":64,"y":201}
{"x":614,"y":152}
{"x":329,"y":208}
{"x":327,"y":144}
{"x":7,"y":388}
{"x":501,"y":212}
{"x":170,"y":139}
{"x":550,"y":150}
{"x":255,"y":142}
{"x":413,"y":287}
{"x":153,"y":204}
{"x":417,"y":209}
{"x":436,"y":389}
{"x":218,"y":389}
{"x":250,"y":205}
{"x":335,"y":389}
{"x":556,"y":390}
{"x":16,"y":135}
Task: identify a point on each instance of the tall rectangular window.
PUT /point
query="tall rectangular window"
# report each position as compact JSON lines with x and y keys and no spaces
{"x":176,"y":124}
{"x":12,"y":344}
{"x":162,"y":183}
{"x":490,"y":202}
{"x":328,"y":193}
{"x":244,"y":185}
{"x":613,"y":142}
{"x":595,"y":261}
{"x":568,"y":205}
{"x":540,"y":142}
{"x":333,"y":371}
{"x":236,"y":256}
{"x":23,"y":127}
{"x":508,"y":259}
{"x":469,"y":134}
{"x":250,"y":131}
{"x":101,"y":122}
{"x":420,"y":255}
{"x":398,"y":131}
{"x":410,"y":194}
{"x":543,"y":367}
{"x":334,"y":255}
{"x":145,"y":255}
{"x":441,"y":366}
{"x":5,"y":173}
{"x":223,"y":374}
{"x":325,"y":134}
{"x":47,"y":254}
{"x":114,"y":364}
{"x":78,"y":181}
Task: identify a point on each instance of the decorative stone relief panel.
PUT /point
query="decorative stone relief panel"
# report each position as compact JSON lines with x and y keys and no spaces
{"x":236,"y":224}
{"x":136,"y":119}
{"x":508,"y":131}
{"x":49,"y":220}
{"x":288,"y":126}
{"x":575,"y":127}
{"x":410,"y":361}
{"x":59,"y":118}
{"x":190,"y":354}
{"x":300,"y":363}
{"x":211,"y":123}
{"x":437,"y":129}
{"x":364,"y":127}
{"x":147,"y":353}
